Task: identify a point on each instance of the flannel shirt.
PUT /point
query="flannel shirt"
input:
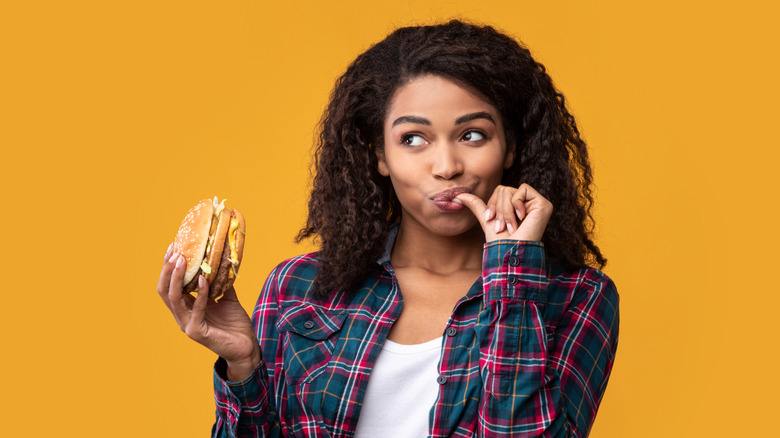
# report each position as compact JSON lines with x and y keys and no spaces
{"x":526,"y":352}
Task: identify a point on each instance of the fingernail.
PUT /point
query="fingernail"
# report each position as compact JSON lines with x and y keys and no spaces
{"x":173,"y":257}
{"x":487,"y":215}
{"x":168,"y":252}
{"x":498,"y":226}
{"x":520,"y":215}
{"x":180,"y":262}
{"x":510,"y":228}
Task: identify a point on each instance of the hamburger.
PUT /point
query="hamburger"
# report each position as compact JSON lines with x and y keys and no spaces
{"x":211,"y":238}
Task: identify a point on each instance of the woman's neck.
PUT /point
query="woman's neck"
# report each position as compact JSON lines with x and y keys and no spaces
{"x":417,"y":247}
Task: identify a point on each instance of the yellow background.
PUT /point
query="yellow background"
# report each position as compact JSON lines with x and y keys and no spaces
{"x":118,"y":116}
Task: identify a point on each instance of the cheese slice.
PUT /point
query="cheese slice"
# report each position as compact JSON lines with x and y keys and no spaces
{"x":232,"y":244}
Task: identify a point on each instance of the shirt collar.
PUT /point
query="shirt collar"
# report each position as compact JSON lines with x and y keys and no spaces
{"x":392,"y":233}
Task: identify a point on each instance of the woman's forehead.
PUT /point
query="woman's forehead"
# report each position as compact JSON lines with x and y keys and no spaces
{"x":434,"y":95}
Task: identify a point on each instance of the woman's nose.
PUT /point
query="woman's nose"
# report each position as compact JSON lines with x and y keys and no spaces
{"x":447,"y":163}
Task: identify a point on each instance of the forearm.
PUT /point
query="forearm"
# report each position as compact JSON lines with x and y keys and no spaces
{"x":522,"y":394}
{"x":243,"y":389}
{"x":537,"y":384}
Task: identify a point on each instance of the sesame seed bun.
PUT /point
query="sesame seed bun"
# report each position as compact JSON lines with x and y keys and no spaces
{"x":193,"y":236}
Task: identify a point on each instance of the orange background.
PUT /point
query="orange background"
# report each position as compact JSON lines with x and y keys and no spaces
{"x":118,"y":116}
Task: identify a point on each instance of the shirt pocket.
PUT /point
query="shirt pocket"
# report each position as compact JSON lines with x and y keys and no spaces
{"x":309,"y":334}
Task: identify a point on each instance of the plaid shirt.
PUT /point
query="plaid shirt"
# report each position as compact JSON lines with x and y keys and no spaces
{"x":527,"y":351}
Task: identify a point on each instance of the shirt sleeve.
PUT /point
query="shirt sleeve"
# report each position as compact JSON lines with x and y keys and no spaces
{"x":247,"y":408}
{"x":539,"y":383}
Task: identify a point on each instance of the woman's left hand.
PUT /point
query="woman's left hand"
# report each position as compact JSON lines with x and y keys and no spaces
{"x":511,"y":213}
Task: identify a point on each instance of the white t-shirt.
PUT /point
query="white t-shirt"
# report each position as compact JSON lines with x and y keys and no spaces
{"x":401,"y":391}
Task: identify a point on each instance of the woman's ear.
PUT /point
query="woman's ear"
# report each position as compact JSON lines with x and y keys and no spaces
{"x":509,"y":158}
{"x":382,"y":164}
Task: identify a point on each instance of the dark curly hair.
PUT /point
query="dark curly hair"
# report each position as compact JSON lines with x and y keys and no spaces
{"x":352,"y":206}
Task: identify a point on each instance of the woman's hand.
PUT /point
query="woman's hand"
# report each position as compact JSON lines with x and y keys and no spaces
{"x":224,"y":327}
{"x":511,"y":213}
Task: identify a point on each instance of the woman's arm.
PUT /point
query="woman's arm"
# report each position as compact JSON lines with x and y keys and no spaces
{"x":247,"y":408}
{"x":538,"y":384}
{"x":535,"y":386}
{"x":224,"y":328}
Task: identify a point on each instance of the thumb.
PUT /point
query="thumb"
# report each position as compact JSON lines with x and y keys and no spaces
{"x":474,"y":204}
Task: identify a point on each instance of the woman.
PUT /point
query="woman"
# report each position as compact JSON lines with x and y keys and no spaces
{"x":452,"y":295}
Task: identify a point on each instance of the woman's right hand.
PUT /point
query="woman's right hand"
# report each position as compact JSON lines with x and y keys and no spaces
{"x":223,"y":327}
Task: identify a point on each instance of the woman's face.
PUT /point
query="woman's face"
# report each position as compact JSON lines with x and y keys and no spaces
{"x":441,"y":139}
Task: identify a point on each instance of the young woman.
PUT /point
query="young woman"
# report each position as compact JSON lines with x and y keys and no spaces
{"x":455,"y":292}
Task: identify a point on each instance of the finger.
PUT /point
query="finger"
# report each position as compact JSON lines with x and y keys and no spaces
{"x":198,"y":315}
{"x":508,"y":210}
{"x":168,"y":253}
{"x":474,"y":204}
{"x":519,"y":206}
{"x":165,"y":277}
{"x":490,"y":213}
{"x":175,"y":294}
{"x":528,"y":193}
{"x":536,"y":204}
{"x":522,"y":196}
{"x":534,"y":200}
{"x":536,"y":211}
{"x":499,"y":195}
{"x":229,"y":294}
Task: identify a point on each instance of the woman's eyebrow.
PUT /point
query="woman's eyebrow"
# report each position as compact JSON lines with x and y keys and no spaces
{"x":412,"y":119}
{"x":472,"y":116}
{"x":462,"y":119}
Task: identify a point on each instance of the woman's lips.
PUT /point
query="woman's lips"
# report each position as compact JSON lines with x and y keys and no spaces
{"x":445,"y":199}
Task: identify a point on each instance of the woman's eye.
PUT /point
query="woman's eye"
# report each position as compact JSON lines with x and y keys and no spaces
{"x":412,"y":140}
{"x":473,"y":136}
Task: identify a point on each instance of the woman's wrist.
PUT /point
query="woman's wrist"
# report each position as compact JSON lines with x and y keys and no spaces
{"x":239,"y":369}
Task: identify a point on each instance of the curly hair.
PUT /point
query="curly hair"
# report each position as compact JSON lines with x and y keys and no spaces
{"x":352,"y":206}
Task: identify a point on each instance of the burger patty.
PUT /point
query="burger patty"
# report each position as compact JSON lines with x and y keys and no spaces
{"x":221,"y":281}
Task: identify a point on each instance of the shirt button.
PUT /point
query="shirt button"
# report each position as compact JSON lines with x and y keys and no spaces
{"x":441,"y":380}
{"x":512,"y":280}
{"x":308,"y":325}
{"x":451,"y":331}
{"x":514,"y":261}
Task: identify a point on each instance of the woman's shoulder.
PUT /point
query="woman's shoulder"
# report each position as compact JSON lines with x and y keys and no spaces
{"x":305,"y":265}
{"x":296,"y":274}
{"x":292,"y":283}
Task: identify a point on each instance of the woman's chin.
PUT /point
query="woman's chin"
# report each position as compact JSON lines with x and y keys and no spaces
{"x":436,"y":223}
{"x":456,"y":227}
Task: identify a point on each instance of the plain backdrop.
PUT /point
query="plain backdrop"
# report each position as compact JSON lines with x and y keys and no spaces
{"x":116,"y":117}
